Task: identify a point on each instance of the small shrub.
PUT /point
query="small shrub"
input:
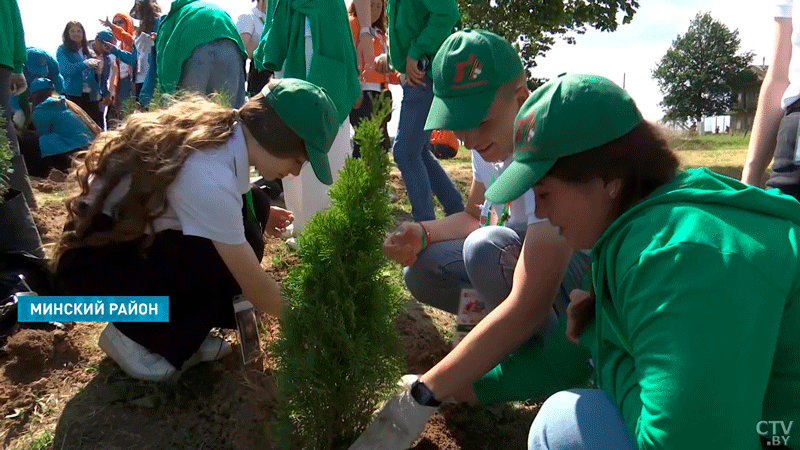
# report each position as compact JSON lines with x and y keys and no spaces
{"x":339,"y":354}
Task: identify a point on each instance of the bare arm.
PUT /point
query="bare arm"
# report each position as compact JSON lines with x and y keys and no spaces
{"x":769,"y":112}
{"x":404,"y":243}
{"x":250,"y":44}
{"x":537,"y":277}
{"x":365,"y":51}
{"x":257,"y":286}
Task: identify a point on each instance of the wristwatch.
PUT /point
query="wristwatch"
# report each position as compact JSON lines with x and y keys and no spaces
{"x":365,"y":30}
{"x":423,"y":395}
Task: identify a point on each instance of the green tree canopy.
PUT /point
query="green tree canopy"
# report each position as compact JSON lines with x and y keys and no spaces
{"x":698,"y":72}
{"x":534,"y":25}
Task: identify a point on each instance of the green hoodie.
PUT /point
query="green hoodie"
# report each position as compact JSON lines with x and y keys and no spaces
{"x":697,"y":333}
{"x":333,"y":61}
{"x":418,"y":27}
{"x":189,"y":24}
{"x":12,"y":39}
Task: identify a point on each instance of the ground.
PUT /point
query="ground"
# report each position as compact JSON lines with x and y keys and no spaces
{"x":59,"y":391}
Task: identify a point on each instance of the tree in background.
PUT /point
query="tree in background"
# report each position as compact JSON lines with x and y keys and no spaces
{"x":699,"y":71}
{"x":532,"y":26}
{"x":339,"y":354}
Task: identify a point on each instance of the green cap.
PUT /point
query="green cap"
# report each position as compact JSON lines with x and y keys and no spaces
{"x":467,"y":71}
{"x":567,"y":115}
{"x":310,"y":113}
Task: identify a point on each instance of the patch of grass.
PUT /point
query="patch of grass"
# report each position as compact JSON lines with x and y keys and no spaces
{"x":709,"y":142}
{"x":40,"y":441}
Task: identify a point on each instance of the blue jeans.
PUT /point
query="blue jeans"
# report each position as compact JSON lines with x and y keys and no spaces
{"x":421,"y":172}
{"x":579,"y":419}
{"x":216,"y":66}
{"x":484,"y":261}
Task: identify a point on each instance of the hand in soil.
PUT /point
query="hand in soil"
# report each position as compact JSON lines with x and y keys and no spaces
{"x":399,"y":422}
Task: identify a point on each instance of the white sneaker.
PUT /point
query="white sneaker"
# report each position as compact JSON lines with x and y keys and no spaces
{"x":214,"y":348}
{"x":135,"y":360}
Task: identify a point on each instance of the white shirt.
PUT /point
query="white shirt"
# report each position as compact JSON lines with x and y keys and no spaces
{"x":205,"y":199}
{"x":522,"y":211}
{"x":251,"y":23}
{"x":144,"y":44}
{"x":784,"y":8}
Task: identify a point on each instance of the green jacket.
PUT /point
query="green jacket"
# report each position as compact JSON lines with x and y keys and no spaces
{"x":697,"y":330}
{"x":418,"y":27}
{"x":189,"y":24}
{"x":333,"y":61}
{"x":12,"y":38}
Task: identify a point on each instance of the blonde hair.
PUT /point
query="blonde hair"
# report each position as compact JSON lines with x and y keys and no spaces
{"x":151,"y":148}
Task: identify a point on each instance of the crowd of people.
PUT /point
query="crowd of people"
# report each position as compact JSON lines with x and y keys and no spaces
{"x":655,"y":308}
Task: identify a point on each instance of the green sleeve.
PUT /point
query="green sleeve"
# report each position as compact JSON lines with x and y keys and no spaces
{"x":703,"y":327}
{"x":442,"y":18}
{"x":20,"y":55}
{"x":274,"y":45}
{"x":544,"y":365}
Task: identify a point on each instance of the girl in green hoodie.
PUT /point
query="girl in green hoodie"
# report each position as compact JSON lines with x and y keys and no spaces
{"x":693,"y":313}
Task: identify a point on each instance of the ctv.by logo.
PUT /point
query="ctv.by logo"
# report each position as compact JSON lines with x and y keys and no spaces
{"x":775,"y":428}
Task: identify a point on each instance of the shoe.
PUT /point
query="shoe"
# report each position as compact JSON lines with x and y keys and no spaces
{"x":135,"y":360}
{"x":214,"y":348}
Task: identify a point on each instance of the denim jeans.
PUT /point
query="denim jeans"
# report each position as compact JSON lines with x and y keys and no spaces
{"x":580,"y":419}
{"x":485,"y":261}
{"x":216,"y":66}
{"x":421,"y":172}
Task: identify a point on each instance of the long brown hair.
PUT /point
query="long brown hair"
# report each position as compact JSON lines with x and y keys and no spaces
{"x":151,"y":148}
{"x":641,"y":158}
{"x":147,"y":12}
{"x":70,"y":45}
{"x":379,"y":22}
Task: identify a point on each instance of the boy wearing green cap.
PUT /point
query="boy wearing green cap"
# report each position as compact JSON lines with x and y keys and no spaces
{"x":516,"y":261}
{"x":166,"y":209}
{"x":693,"y":318}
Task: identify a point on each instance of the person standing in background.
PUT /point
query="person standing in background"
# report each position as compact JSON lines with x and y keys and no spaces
{"x":78,"y":68}
{"x":250,"y":26}
{"x":374,"y":85}
{"x":147,"y":13}
{"x":311,"y":41}
{"x":416,"y":30}
{"x":778,"y":113}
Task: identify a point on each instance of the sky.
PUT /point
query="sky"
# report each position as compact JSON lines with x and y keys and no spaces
{"x":627,"y":55}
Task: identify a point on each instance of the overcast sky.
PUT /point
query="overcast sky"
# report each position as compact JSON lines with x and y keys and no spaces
{"x":628,"y":54}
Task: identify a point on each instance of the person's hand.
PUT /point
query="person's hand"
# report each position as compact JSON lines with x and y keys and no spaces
{"x":382,"y":63}
{"x":18,"y":83}
{"x":93,"y":63}
{"x":105,"y":22}
{"x":404,"y":244}
{"x":359,"y":100}
{"x":366,"y":51}
{"x":399,"y":422}
{"x":107,"y":100}
{"x":278,"y":220}
{"x":107,"y":47}
{"x":413,"y":75}
{"x":580,"y":313}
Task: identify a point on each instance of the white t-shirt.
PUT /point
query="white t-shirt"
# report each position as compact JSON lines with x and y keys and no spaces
{"x":205,"y":199}
{"x":522,"y":211}
{"x":251,"y":23}
{"x":784,"y":8}
{"x":143,"y":43}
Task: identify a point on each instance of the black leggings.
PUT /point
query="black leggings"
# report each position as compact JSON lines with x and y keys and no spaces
{"x":188,"y":269}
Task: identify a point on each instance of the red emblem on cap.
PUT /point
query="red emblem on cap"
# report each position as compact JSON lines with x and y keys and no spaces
{"x":467,"y":72}
{"x":526,"y":128}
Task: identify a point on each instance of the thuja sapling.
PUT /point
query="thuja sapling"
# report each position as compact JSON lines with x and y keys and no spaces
{"x":339,"y":354}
